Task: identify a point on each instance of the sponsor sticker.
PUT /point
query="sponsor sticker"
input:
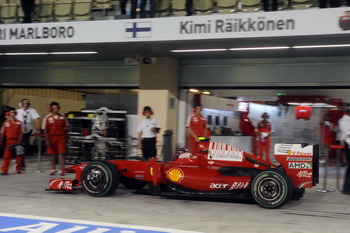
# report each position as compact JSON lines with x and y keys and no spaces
{"x":239,"y":185}
{"x":299,"y":159}
{"x":218,"y":186}
{"x":175,"y":175}
{"x":222,"y":151}
{"x":139,"y":176}
{"x":300,"y":165}
{"x":293,"y":149}
{"x":304,"y":174}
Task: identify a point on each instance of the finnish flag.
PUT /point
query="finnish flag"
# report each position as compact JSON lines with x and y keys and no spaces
{"x":138,"y":30}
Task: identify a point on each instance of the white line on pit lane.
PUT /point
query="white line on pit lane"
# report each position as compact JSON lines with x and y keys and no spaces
{"x":95,"y":223}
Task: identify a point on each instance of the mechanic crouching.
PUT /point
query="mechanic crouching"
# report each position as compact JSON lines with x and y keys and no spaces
{"x":12,"y":132}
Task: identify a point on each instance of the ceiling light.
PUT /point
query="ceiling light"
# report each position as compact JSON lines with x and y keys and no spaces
{"x":196,"y":50}
{"x":194,"y":90}
{"x":320,"y":46}
{"x":73,"y":53}
{"x":314,"y":105}
{"x":206,"y":92}
{"x":259,"y":48}
{"x":17,"y":54}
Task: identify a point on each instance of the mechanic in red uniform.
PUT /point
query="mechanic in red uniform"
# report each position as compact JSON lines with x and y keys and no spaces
{"x":197,"y":127}
{"x":55,"y":129}
{"x":12,"y":132}
{"x":263,"y":131}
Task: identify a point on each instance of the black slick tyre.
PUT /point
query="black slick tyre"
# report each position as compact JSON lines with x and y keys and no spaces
{"x":271,"y":188}
{"x":100,"y":178}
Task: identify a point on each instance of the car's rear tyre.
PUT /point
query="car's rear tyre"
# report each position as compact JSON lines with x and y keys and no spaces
{"x":100,"y":178}
{"x":271,"y":188}
{"x":131,"y":183}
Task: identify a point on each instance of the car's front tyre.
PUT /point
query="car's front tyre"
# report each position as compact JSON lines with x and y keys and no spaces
{"x":100,"y":178}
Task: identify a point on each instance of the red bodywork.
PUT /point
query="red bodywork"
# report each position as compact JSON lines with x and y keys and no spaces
{"x":217,"y":166}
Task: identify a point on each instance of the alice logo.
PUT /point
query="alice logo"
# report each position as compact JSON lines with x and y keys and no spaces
{"x":175,"y":175}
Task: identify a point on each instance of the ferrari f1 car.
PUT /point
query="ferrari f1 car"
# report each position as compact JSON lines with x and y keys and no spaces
{"x":218,"y":170}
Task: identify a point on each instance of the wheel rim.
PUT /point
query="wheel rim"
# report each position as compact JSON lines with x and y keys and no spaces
{"x":269,"y":189}
{"x":95,"y":180}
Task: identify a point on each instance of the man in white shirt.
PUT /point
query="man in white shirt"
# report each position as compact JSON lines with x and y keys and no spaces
{"x":27,"y":116}
{"x":344,"y":126}
{"x":147,"y":130}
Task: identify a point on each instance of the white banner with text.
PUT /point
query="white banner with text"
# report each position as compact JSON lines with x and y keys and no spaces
{"x":329,"y":21}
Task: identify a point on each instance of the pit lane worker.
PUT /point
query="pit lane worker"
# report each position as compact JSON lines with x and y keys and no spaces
{"x":55,"y":128}
{"x":344,"y":126}
{"x":197,"y":127}
{"x":147,"y":130}
{"x":12,"y":132}
{"x":27,"y":116}
{"x":264,"y":131}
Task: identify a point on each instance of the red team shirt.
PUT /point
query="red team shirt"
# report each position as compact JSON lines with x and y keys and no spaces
{"x":55,"y":125}
{"x":264,"y":127}
{"x":197,"y":123}
{"x":12,"y":130}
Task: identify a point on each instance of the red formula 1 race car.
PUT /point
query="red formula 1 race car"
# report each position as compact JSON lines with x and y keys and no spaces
{"x":218,"y":170}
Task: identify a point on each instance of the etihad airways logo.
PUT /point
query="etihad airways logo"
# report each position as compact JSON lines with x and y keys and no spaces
{"x":236,"y":25}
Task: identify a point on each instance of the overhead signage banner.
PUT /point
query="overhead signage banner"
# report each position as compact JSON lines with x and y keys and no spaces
{"x":226,"y":26}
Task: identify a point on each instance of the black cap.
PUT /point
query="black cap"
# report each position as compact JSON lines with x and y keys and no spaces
{"x":147,"y":108}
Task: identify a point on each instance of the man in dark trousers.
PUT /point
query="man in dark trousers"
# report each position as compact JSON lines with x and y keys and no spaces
{"x":344,"y":126}
{"x":189,"y":7}
{"x":147,"y":130}
{"x":27,"y":7}
{"x":143,"y":3}
{"x":27,"y":116}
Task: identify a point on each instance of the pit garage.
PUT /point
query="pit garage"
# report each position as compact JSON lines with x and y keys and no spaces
{"x":232,"y":85}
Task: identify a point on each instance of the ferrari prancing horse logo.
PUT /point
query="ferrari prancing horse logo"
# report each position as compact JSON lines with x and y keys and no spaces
{"x":175,"y":175}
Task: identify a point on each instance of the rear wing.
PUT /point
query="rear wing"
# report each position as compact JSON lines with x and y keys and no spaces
{"x":301,"y":163}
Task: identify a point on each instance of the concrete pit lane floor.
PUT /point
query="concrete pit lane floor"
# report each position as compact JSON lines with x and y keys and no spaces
{"x":315,"y":212}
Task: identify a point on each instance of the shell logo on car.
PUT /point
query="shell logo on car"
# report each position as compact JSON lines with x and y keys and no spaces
{"x":175,"y":175}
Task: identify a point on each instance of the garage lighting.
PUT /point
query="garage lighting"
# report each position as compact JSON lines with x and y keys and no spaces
{"x":321,"y":46}
{"x":206,"y":92}
{"x":194,"y":90}
{"x":73,"y":53}
{"x":196,"y":50}
{"x":21,"y":54}
{"x":259,"y":48}
{"x":314,"y":105}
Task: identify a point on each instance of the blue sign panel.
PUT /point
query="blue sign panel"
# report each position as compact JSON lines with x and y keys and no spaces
{"x":21,"y":224}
